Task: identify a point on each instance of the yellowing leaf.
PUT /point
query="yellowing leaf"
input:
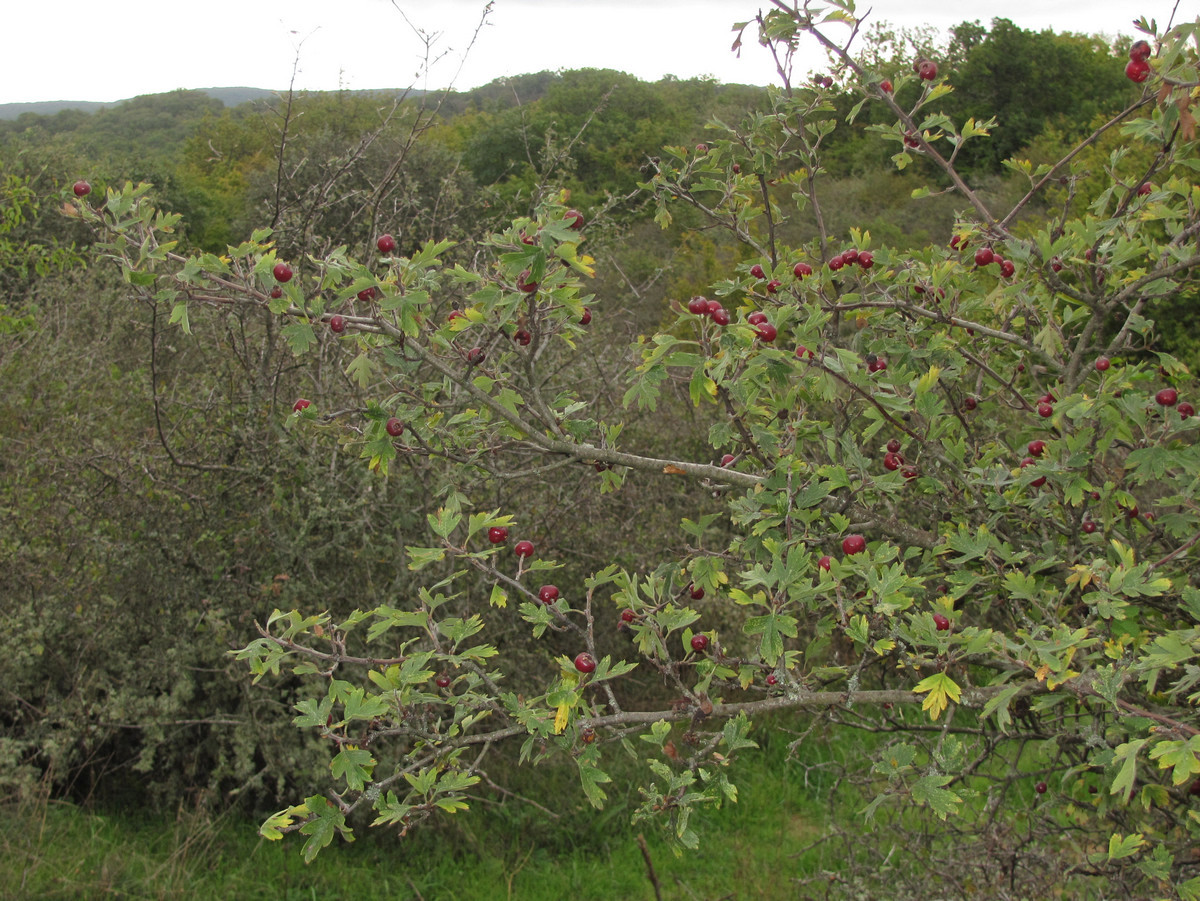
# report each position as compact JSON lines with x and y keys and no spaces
{"x":928,"y":380}
{"x":561,"y":717}
{"x":1042,"y":672}
{"x":942,"y":689}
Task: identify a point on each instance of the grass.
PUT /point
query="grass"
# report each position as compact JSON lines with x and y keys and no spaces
{"x":753,"y":849}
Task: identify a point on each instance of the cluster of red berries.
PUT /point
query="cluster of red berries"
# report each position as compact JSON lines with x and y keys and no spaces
{"x":766,"y":331}
{"x":863,"y":258}
{"x":759,"y":273}
{"x":893,"y":460}
{"x":985,"y":256}
{"x":1138,"y":69}
{"x":701,"y":306}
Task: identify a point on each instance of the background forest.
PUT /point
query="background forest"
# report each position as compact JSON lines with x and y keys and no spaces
{"x":153,"y":506}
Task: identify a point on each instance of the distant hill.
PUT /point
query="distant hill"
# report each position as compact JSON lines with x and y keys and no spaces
{"x":227,"y":96}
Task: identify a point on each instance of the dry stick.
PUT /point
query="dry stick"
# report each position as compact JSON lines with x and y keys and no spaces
{"x":650,"y":874}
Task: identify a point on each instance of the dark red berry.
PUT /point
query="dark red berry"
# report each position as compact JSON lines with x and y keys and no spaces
{"x":497,"y":534}
{"x":699,"y":642}
{"x":523,"y":549}
{"x":585,"y":663}
{"x":394,"y":427}
{"x":548,"y":594}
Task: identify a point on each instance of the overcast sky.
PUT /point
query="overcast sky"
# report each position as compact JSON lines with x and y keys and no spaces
{"x":108,"y":51}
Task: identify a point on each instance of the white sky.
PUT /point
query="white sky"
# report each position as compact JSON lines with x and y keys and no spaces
{"x":89,"y":50}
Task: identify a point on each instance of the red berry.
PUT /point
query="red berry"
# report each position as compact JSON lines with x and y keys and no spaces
{"x":757,"y":271}
{"x":970,"y":403}
{"x":627,"y":616}
{"x":1041,"y":788}
{"x":1166,"y":397}
{"x":801,"y":270}
{"x":81,"y":188}
{"x":866,"y":260}
{"x":585,"y":663}
{"x":941,"y":622}
{"x":522,"y":337}
{"x":757,"y":317}
{"x":1037,"y":448}
{"x":523,"y":549}
{"x":1139,"y":51}
{"x":1102,"y":364}
{"x":927,"y":70}
{"x":699,"y":642}
{"x":767,"y":332}
{"x":476,"y":355}
{"x":1137,"y":70}
{"x":825,"y":562}
{"x":337,"y":324}
{"x":1045,"y":410}
{"x":1088,"y":526}
{"x":524,"y":284}
{"x":1007,"y":269}
{"x":885,"y":86}
{"x":386,"y":243}
{"x":721,"y":316}
{"x":548,"y":594}
{"x":984,"y":256}
{"x":727,"y":460}
{"x":442,"y":681}
{"x":910,"y":472}
{"x":802,"y":352}
{"x":497,"y":534}
{"x":394,"y":427}
{"x":301,"y":404}
{"x":1186,"y":410}
{"x":695,"y":591}
{"x":456,"y":314}
{"x":282,"y":272}
{"x":276,"y":292}
{"x":367,"y":294}
{"x":698,"y":306}
{"x":891,"y":462}
{"x":586,"y":318}
{"x":853,"y":544}
{"x":850,"y":256}
{"x":1145,"y":189}
{"x":1056,"y":264}
{"x":736,"y":168}
{"x":574,"y":219}
{"x":835,"y":264}
{"x":877,"y":365}
{"x":772,"y":679}
{"x":773,"y":285}
{"x":893,"y":446}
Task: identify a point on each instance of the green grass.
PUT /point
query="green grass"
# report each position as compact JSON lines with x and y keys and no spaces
{"x":753,"y":849}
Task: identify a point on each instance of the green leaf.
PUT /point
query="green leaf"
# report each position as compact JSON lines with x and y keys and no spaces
{"x":1127,"y":846}
{"x":928,"y":790}
{"x":299,"y":336}
{"x":354,"y":765}
{"x":326,"y":820}
{"x":591,"y":777}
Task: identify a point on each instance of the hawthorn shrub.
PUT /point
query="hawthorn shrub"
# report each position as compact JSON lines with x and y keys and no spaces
{"x":954,"y":493}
